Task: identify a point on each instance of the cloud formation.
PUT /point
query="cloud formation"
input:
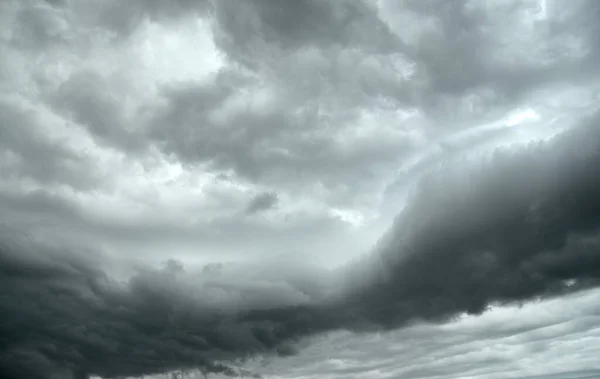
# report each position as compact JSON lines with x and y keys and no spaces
{"x":528,"y":229}
{"x":262,"y":202}
{"x":78,"y":321}
{"x":194,"y":132}
{"x":525,"y":342}
{"x":521,"y":223}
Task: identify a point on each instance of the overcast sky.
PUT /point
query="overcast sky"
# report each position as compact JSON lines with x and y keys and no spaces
{"x":317,"y":188}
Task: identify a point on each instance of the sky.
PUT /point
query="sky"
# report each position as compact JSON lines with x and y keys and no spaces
{"x":299,"y":189}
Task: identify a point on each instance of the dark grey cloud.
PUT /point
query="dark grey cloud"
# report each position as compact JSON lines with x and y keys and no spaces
{"x":78,"y":321}
{"x":85,"y":99}
{"x":30,"y":153}
{"x":122,"y":19}
{"x":463,"y":71}
{"x":528,"y":229}
{"x":35,"y":25}
{"x":319,"y":64}
{"x":110,"y":138}
{"x":266,"y":144}
{"x":294,"y":25}
{"x":522,"y":225}
{"x":186,"y":130}
{"x":262,"y":202}
{"x":468,"y":63}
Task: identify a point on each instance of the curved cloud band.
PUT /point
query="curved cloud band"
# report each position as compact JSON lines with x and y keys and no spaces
{"x":518,"y":225}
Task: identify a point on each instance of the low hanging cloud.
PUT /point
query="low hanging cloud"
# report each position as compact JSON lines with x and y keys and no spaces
{"x":520,"y":224}
{"x":517,"y":225}
{"x":209,"y":131}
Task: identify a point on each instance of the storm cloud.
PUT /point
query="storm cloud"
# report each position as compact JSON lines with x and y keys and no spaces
{"x":518,"y":225}
{"x":198,"y":186}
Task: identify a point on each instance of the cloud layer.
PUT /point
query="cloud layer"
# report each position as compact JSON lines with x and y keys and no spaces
{"x":142,"y":142}
{"x":528,"y":228}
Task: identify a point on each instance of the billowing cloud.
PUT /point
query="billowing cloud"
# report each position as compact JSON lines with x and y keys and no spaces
{"x":521,"y":224}
{"x":80,"y":321}
{"x":528,"y":229}
{"x":262,"y":149}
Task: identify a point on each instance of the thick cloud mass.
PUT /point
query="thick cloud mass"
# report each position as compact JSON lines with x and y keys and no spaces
{"x":518,"y":225}
{"x":521,"y":223}
{"x":190,"y":185}
{"x":62,"y":314}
